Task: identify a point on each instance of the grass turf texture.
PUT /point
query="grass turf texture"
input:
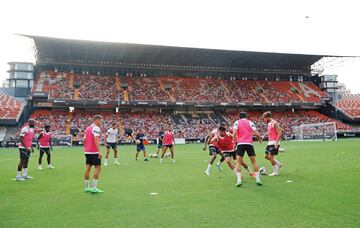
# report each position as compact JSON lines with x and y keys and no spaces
{"x":324,"y":191}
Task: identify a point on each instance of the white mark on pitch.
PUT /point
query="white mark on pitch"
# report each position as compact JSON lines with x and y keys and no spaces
{"x":205,"y":160}
{"x":289,"y":181}
{"x":153,"y":193}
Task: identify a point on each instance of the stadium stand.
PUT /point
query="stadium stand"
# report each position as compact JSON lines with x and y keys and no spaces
{"x":350,"y":105}
{"x":2,"y":133}
{"x":10,"y":108}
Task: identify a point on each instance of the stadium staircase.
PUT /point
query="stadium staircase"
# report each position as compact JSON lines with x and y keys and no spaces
{"x":71,"y":81}
{"x":120,"y":125}
{"x":262,"y":94}
{"x":298,"y":95}
{"x":126,"y":95}
{"x":118,"y":83}
{"x":227,"y":91}
{"x":68,"y":123}
{"x":162,"y":87}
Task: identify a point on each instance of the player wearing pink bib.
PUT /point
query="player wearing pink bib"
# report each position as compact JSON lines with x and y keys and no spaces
{"x":25,"y":146}
{"x":274,"y":133}
{"x":244,"y":130}
{"x":214,"y":151}
{"x":45,"y":146}
{"x":92,"y":153}
{"x":168,"y":142}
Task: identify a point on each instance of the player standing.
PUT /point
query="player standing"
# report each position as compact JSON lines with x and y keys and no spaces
{"x":45,"y":146}
{"x":25,"y":146}
{"x":111,"y":140}
{"x":160,"y":140}
{"x":244,"y":130}
{"x":272,"y":149}
{"x":139,"y":140}
{"x":169,"y":142}
{"x":92,"y":153}
{"x":213,"y":151}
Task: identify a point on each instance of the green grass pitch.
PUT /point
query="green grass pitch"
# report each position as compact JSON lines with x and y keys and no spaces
{"x":325,"y":191}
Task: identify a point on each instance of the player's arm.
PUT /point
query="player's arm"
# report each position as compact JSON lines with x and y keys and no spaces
{"x":206,"y":141}
{"x":97,"y":144}
{"x":214,"y":139}
{"x":38,"y":138}
{"x":105,"y":138}
{"x":279,"y":134}
{"x":50,"y":143}
{"x":257,"y":135}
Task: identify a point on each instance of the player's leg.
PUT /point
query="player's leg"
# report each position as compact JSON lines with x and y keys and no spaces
{"x":145,"y":154}
{"x":19,"y":167}
{"x":256,"y":169}
{"x":25,"y":166}
{"x":107,"y":155}
{"x":222,"y":159}
{"x":41,"y":154}
{"x":270,"y":153}
{"x":48,"y":158}
{"x":164,"y":149}
{"x":230,"y":164}
{"x":87,"y":176}
{"x":116,"y":162}
{"x":172,"y":154}
{"x":213,"y":155}
{"x":239,"y":161}
{"x":248,"y":169}
{"x":96,"y":178}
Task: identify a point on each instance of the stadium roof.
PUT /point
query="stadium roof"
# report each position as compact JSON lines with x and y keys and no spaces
{"x":81,"y":52}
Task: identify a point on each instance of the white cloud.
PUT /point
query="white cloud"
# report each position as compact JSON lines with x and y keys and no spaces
{"x":269,"y":25}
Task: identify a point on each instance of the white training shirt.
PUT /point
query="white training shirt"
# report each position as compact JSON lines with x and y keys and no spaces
{"x":112,"y":135}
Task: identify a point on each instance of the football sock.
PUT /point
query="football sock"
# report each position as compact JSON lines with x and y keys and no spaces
{"x":18,"y":174}
{"x":87,"y":184}
{"x":238,"y":175}
{"x":95,"y":183}
{"x":277,"y":162}
{"x":257,"y":174}
{"x":25,"y":172}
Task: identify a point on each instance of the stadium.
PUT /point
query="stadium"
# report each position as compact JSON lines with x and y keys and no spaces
{"x":191,"y":91}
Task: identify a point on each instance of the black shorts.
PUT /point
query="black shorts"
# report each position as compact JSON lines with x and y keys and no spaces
{"x":111,"y":145}
{"x":24,"y":154}
{"x":45,"y":149}
{"x":140,"y":147}
{"x":213,"y":149}
{"x":230,"y":154}
{"x":270,"y":149}
{"x":248,"y":148}
{"x":168,"y":146}
{"x":93,"y":159}
{"x":160,"y":145}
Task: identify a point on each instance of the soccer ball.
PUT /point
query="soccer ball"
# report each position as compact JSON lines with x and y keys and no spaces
{"x":281,"y":149}
{"x":168,"y":154}
{"x":137,"y":141}
{"x":153,"y":155}
{"x":263,"y":170}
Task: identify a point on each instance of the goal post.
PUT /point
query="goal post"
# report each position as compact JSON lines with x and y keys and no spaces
{"x":315,"y":132}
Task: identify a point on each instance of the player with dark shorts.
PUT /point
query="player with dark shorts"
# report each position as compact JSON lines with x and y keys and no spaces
{"x":139,"y":140}
{"x":169,"y":142}
{"x":160,"y":141}
{"x":110,"y":141}
{"x":244,"y":130}
{"x":272,"y":149}
{"x":92,"y":153}
{"x":45,"y":146}
{"x":213,"y":151}
{"x":25,"y":147}
{"x":225,"y":143}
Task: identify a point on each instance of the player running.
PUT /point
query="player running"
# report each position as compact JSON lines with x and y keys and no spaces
{"x":25,"y":146}
{"x":169,"y":142}
{"x":272,"y":149}
{"x":160,"y":141}
{"x":111,"y":140}
{"x":213,"y":151}
{"x":93,"y":153}
{"x":139,"y":140}
{"x":244,"y":130}
{"x":45,"y":146}
{"x":225,"y":143}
